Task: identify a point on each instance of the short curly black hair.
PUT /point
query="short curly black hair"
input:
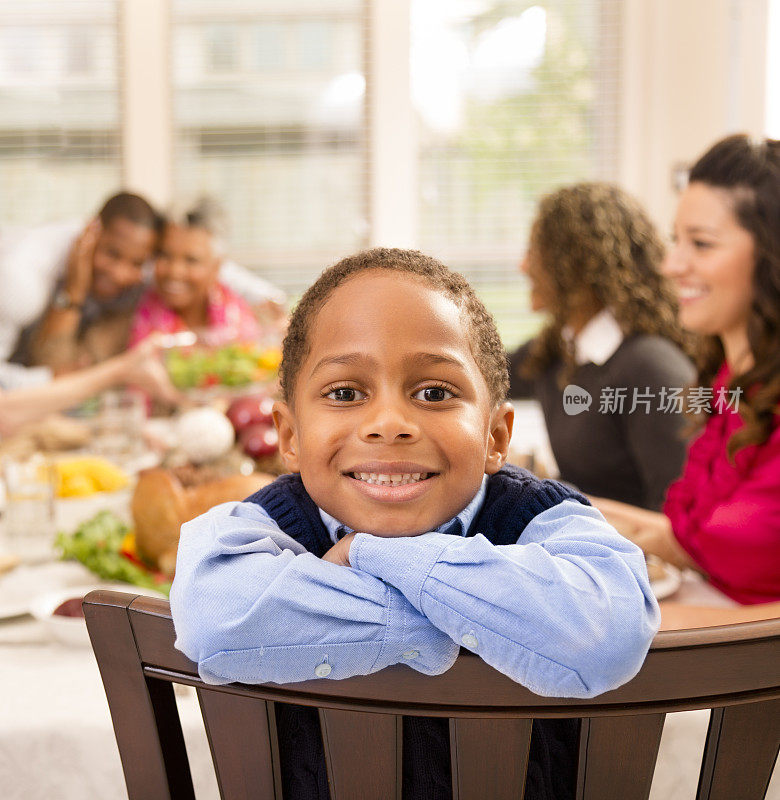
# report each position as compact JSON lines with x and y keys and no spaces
{"x":485,"y":342}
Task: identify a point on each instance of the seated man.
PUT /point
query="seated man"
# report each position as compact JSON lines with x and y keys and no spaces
{"x":67,"y":294}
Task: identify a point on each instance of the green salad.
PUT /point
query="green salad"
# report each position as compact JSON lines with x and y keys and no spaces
{"x":106,"y":546}
{"x":231,"y":365}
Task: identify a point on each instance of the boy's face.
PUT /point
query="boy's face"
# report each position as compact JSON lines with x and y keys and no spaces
{"x":391,"y":426}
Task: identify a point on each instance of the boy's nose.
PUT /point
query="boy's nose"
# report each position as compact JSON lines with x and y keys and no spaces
{"x":388,"y":423}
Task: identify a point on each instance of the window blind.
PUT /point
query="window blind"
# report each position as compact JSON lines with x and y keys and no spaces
{"x":513,"y":99}
{"x":59,"y":109}
{"x":269,"y":118}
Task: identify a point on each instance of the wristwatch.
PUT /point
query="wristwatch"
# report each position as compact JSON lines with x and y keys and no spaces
{"x":63,"y":301}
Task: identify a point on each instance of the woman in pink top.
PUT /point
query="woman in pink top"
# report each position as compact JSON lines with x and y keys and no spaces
{"x":722,"y":516}
{"x":187,"y":294}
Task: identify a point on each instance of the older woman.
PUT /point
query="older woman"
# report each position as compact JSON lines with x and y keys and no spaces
{"x":593,"y":262}
{"x":187,"y":293}
{"x":723,"y":516}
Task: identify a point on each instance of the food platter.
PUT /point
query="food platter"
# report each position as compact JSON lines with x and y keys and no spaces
{"x":665,"y":579}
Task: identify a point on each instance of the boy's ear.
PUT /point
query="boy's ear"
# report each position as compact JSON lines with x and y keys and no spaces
{"x":284,"y":420}
{"x":501,"y":421}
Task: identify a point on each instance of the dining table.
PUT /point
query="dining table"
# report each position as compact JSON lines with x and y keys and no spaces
{"x":56,"y":737}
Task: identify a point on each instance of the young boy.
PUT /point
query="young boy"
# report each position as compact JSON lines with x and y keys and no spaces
{"x":401,"y":535}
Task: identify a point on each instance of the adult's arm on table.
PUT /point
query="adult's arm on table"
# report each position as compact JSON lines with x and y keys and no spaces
{"x":678,"y":616}
{"x":138,"y":366}
{"x":650,"y":530}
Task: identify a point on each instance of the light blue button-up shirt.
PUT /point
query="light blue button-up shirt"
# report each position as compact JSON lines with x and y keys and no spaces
{"x":567,"y":611}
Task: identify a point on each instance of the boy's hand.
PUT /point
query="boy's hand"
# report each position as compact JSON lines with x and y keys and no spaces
{"x":339,"y":553}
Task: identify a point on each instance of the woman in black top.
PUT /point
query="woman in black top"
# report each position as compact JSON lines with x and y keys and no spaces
{"x":612,"y":338}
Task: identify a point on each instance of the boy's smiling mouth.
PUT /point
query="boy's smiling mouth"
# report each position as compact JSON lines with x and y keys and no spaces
{"x":391,"y":481}
{"x":385,"y":479}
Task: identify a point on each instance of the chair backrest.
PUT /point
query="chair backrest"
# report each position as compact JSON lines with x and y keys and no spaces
{"x":733,"y":670}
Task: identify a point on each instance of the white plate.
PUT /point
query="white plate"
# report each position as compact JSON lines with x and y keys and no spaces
{"x":73,"y":630}
{"x":15,"y":588}
{"x":667,"y":585}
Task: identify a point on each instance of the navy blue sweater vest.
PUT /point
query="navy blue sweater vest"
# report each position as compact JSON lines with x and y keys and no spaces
{"x":513,"y":498}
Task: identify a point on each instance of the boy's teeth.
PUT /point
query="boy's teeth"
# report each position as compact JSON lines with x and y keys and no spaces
{"x":382,"y":479}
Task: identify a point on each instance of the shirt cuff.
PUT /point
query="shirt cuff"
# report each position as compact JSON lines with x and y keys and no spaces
{"x":404,"y":561}
{"x":411,"y":639}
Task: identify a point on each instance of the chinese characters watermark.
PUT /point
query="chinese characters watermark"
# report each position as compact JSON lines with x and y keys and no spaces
{"x":665,"y":400}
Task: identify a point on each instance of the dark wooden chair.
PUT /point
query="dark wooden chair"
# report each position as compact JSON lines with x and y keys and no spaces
{"x":733,"y":670}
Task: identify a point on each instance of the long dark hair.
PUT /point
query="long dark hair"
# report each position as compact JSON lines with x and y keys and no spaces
{"x":749,"y":169}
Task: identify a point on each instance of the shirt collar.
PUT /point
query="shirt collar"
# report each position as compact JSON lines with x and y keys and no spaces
{"x":597,"y":341}
{"x":462,"y":520}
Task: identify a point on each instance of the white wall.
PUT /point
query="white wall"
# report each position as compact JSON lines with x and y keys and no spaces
{"x":693,"y":71}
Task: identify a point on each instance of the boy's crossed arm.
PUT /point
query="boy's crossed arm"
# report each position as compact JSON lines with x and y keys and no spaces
{"x":569,"y":612}
{"x":251,"y":605}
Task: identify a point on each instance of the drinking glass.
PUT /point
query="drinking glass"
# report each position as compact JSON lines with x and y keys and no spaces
{"x":119,"y":426}
{"x":27,"y":529}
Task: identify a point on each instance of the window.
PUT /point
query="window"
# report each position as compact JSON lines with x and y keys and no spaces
{"x":270,"y":120}
{"x":513,"y":99}
{"x":59,"y":109}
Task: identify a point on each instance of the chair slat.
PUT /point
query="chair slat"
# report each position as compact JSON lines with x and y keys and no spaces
{"x":740,"y":751}
{"x":617,"y":756}
{"x":240,"y":740}
{"x":489,"y":758}
{"x":143,"y":710}
{"x":363,"y":754}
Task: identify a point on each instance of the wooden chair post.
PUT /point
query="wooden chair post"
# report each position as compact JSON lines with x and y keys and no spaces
{"x":617,"y":756}
{"x":240,"y":731}
{"x":143,"y":710}
{"x":362,"y":754}
{"x":740,"y":751}
{"x":489,"y":758}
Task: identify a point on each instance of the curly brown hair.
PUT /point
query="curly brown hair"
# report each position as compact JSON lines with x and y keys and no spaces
{"x":595,"y":236}
{"x":484,"y":339}
{"x":749,"y":170}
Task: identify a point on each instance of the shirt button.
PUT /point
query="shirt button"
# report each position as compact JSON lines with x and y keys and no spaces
{"x":410,"y":654}
{"x":470,"y":641}
{"x":323,"y":670}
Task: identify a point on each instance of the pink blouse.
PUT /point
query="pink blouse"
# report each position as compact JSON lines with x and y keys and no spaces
{"x":727,"y":517}
{"x":230,"y":318}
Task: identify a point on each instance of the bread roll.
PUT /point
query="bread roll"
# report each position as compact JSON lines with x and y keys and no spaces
{"x":161,"y":505}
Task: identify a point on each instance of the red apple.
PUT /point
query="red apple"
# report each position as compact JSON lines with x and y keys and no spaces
{"x":258,"y":440}
{"x":250,"y":410}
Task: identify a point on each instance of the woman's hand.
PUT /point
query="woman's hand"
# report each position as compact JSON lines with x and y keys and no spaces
{"x":339,"y":553}
{"x":649,"y":530}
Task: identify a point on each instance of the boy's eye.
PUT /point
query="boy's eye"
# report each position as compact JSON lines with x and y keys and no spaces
{"x":345,"y":394}
{"x":701,"y":245}
{"x":433,"y":394}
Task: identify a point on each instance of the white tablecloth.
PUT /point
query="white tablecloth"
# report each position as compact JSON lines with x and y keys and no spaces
{"x":56,"y":739}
